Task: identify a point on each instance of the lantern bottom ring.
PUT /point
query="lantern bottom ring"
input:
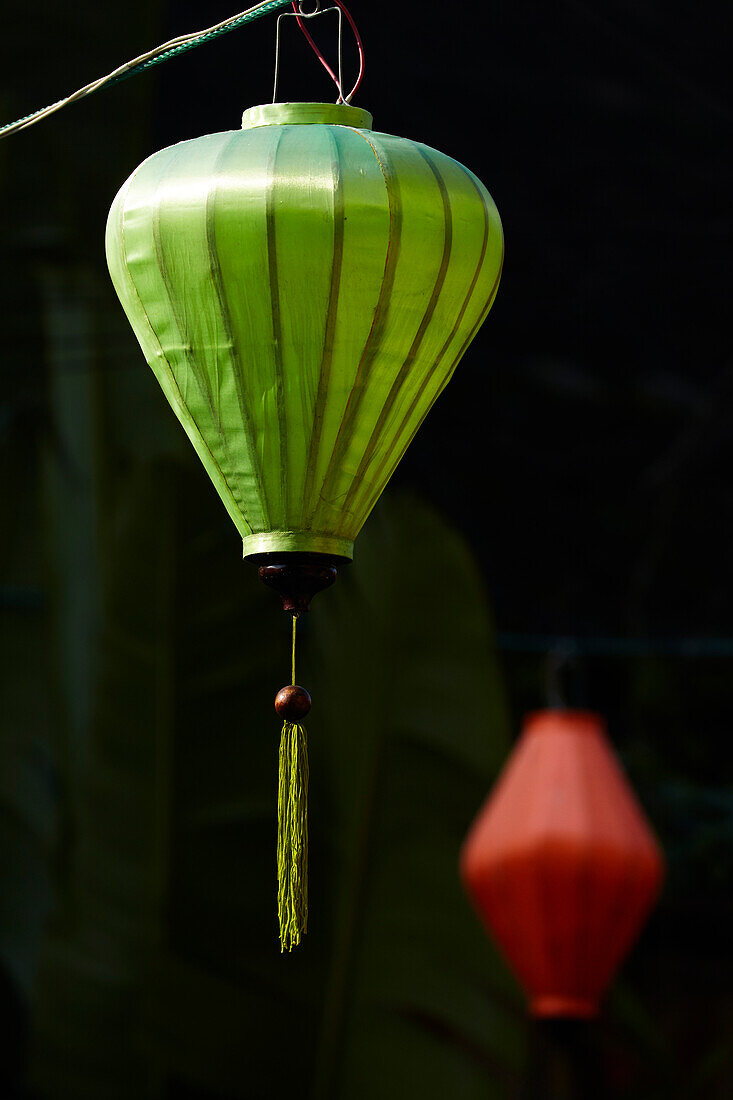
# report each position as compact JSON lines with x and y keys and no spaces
{"x":288,"y":542}
{"x":553,"y":1005}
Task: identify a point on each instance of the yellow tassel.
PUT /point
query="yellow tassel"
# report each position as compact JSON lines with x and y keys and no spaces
{"x":292,"y":816}
{"x":292,"y":836}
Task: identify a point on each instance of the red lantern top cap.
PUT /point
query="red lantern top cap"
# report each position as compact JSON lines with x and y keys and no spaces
{"x":569,"y":719}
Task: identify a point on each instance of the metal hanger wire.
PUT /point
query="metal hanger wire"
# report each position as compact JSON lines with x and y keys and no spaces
{"x":301,"y":14}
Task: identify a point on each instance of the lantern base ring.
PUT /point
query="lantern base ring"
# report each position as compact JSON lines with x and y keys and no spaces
{"x":558,"y":1004}
{"x":288,"y":542}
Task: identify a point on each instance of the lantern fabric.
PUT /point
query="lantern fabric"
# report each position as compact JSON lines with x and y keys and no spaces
{"x":303,"y":289}
{"x":561,"y":863}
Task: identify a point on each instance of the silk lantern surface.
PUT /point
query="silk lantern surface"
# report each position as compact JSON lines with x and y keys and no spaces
{"x":561,"y":863}
{"x":303,"y":289}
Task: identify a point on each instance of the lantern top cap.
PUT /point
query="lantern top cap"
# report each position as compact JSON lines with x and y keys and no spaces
{"x":303,"y":114}
{"x":567,"y":719}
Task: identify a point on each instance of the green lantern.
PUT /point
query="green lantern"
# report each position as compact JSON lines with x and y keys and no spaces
{"x":303,"y":289}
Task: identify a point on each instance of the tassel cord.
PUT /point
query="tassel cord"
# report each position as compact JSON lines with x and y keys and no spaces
{"x":292,"y":663}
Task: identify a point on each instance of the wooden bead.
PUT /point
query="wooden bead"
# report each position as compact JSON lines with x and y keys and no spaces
{"x":292,"y":703}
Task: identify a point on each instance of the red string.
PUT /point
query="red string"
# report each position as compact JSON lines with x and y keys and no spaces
{"x":322,"y":59}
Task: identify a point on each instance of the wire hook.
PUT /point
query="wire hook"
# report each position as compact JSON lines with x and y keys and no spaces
{"x":300,"y":14}
{"x":559,"y":660}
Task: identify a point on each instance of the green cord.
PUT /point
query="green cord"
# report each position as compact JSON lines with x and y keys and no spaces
{"x":107,"y":82}
{"x":207,"y":36}
{"x":292,"y":665}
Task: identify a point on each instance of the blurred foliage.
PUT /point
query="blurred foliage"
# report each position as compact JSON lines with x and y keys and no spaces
{"x":158,"y":971}
{"x":164,"y":965}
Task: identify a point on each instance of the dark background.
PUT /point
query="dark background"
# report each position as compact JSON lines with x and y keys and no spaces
{"x":583,"y":451}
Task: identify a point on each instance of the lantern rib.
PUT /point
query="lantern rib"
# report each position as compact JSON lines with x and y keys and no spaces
{"x":186,"y":341}
{"x":378,"y":321}
{"x":226,"y":320}
{"x":619,"y":933}
{"x":585,"y":891}
{"x":387,"y":459}
{"x":449,"y":375}
{"x":409,"y":361}
{"x":275,"y":312}
{"x":163,"y":360}
{"x":187,"y":344}
{"x":324,"y":376}
{"x":451,"y":336}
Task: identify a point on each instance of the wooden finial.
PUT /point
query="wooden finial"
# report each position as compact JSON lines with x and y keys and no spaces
{"x":298,"y":577}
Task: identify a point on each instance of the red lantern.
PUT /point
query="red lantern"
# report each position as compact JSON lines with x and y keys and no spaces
{"x":561,"y":863}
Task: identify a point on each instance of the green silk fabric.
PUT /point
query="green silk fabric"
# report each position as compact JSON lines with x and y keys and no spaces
{"x":303,"y":289}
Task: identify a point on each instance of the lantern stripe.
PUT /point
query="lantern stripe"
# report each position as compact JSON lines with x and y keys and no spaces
{"x":443,"y":383}
{"x":328,"y":348}
{"x":404,"y":371}
{"x":255,"y":479}
{"x":592,"y":946}
{"x":241,"y":243}
{"x":618,"y":923}
{"x":578,"y":965}
{"x":276,"y":321}
{"x":191,"y":362}
{"x":381,"y":479}
{"x":372,"y":346}
{"x":131,"y":261}
{"x":389,"y":462}
{"x":152,"y":347}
